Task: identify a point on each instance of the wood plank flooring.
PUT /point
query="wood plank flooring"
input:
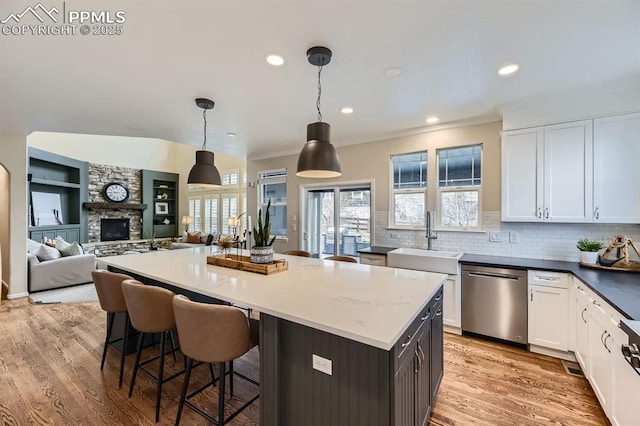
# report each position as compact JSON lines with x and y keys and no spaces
{"x":50,"y":374}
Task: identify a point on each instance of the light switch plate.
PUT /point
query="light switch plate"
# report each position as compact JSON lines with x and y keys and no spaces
{"x":322,"y":364}
{"x":495,"y":236}
{"x":395,"y":235}
{"x":514,"y":237}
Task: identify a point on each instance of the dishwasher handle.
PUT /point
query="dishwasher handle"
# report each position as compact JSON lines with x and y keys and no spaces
{"x":493,"y":275}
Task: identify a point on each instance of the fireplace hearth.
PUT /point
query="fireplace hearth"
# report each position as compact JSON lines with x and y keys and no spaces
{"x":114,"y":229}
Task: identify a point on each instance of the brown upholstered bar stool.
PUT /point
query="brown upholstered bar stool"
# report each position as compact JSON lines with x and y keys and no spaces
{"x":341,"y":259}
{"x":300,"y":253}
{"x":151,"y":311}
{"x":109,"y":289}
{"x":213,"y":334}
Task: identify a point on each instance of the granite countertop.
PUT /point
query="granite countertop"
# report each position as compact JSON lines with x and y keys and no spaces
{"x":620,"y":289}
{"x":367,"y":304}
{"x":377,"y":250}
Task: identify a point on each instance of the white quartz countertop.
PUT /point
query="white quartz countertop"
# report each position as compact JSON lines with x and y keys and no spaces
{"x":369,"y":304}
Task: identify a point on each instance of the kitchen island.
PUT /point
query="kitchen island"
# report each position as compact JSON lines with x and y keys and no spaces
{"x":377,"y":332}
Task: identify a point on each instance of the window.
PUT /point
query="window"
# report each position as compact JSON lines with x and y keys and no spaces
{"x":195,"y":212}
{"x":230,"y":178}
{"x":229,"y":209}
{"x":210,"y":213}
{"x":408,"y":190}
{"x":272,"y":185}
{"x":459,"y":187}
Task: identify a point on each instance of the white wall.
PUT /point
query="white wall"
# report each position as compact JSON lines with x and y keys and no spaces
{"x":370,"y":161}
{"x":13,"y":156}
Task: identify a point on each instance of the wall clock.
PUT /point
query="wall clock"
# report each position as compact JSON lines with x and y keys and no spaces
{"x":115,"y":192}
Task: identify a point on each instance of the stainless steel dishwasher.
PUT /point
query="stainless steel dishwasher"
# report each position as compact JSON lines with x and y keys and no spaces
{"x":494,"y":302}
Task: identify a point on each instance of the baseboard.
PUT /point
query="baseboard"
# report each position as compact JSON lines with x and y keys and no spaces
{"x":17,"y":295}
{"x":453,"y":330}
{"x":569,"y":356}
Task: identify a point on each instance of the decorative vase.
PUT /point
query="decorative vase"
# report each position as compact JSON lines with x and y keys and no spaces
{"x":261,"y":255}
{"x":589,"y":256}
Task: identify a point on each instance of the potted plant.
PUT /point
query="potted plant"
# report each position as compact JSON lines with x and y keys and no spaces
{"x":589,"y":250}
{"x":262,"y":252}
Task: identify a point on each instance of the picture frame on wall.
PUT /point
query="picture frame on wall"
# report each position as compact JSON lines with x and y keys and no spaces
{"x":162,"y":208}
{"x":47,"y":209}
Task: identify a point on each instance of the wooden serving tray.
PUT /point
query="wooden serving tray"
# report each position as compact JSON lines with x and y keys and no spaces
{"x":243,"y":263}
{"x":623,"y":266}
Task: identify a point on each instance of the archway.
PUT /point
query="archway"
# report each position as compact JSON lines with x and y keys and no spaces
{"x":5,"y":253}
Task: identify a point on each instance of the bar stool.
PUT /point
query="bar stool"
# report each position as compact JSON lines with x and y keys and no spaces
{"x":109,"y":289}
{"x":300,"y":253}
{"x":341,"y":259}
{"x":151,"y":311}
{"x":213,"y":334}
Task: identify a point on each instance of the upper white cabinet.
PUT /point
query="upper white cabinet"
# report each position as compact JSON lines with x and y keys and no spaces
{"x":547,"y":173}
{"x":616,"y":171}
{"x":522,"y":188}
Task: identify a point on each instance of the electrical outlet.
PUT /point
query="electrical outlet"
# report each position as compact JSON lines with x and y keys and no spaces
{"x":294,"y":227}
{"x":495,"y":237}
{"x":514,"y":237}
{"x":322,"y":364}
{"x":395,"y":235}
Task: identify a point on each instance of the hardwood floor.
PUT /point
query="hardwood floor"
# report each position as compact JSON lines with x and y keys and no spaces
{"x":50,"y":374}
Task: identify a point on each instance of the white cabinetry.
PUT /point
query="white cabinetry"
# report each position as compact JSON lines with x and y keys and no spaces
{"x":373,"y":259}
{"x":452,"y":304}
{"x":547,"y":173}
{"x":548,"y":313}
{"x":581,"y":322}
{"x":625,"y":382}
{"x":616,"y":153}
{"x":599,"y":358}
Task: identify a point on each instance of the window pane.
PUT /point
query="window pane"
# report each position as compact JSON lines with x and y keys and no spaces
{"x":211,"y":215}
{"x":410,"y":171}
{"x":276,"y":192}
{"x":459,"y":208}
{"x":459,"y":166}
{"x":194,"y":212}
{"x":409,"y":209}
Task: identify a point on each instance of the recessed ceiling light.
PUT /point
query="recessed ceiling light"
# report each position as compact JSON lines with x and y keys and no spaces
{"x":275,"y":60}
{"x":231,"y":134}
{"x":508,"y":69}
{"x":432,"y":119}
{"x":392,"y":72}
{"x":347,"y":110}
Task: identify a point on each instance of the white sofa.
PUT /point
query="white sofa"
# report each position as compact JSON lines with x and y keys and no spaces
{"x":60,"y":272}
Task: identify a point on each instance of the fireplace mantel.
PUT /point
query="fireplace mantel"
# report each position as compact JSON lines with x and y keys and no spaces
{"x":114,"y":206}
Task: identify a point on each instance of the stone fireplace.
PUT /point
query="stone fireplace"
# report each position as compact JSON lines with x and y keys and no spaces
{"x":99,"y":176}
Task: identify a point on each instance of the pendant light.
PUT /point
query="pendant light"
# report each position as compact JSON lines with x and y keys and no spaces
{"x":204,"y":173}
{"x":318,"y":158}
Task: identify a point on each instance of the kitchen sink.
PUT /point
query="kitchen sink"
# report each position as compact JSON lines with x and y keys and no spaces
{"x":444,"y":262}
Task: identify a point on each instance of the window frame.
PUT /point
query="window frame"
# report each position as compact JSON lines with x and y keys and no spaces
{"x":393,"y":192}
{"x":278,"y":176}
{"x":461,"y":188}
{"x":231,"y":172}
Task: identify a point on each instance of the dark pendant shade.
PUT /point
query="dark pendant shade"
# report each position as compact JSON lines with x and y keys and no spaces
{"x":204,"y":172}
{"x":318,"y":158}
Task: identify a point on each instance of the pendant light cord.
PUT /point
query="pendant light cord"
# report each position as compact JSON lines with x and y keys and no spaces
{"x":204,"y":116}
{"x":319,"y":92}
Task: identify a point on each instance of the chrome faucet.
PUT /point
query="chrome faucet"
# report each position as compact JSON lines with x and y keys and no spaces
{"x":431,"y":235}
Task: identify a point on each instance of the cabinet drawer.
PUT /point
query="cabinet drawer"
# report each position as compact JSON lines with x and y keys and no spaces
{"x":373,"y":259}
{"x":548,"y":279}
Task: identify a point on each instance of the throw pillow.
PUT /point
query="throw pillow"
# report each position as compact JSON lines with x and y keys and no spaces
{"x":68,"y":249}
{"x":32,"y":246}
{"x":193,"y":237}
{"x":209,"y":239}
{"x":45,"y":253}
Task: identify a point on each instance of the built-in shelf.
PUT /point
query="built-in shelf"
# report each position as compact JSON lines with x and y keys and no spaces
{"x":55,"y":183}
{"x":114,"y":206}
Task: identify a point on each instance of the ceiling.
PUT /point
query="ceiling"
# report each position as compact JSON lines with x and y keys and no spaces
{"x":144,"y":82}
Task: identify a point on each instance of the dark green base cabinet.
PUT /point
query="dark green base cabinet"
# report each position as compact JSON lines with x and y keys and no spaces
{"x":368,"y":386}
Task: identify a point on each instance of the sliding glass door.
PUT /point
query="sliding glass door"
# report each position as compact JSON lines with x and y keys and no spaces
{"x":338,"y":220}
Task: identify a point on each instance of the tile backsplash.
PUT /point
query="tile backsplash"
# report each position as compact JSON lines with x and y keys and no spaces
{"x":553,"y":241}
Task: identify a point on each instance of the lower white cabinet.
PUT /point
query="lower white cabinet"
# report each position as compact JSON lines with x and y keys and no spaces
{"x":452,"y":303}
{"x":373,"y":259}
{"x":599,"y":357}
{"x":581,"y":334}
{"x":625,"y":382}
{"x":548,"y":313}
